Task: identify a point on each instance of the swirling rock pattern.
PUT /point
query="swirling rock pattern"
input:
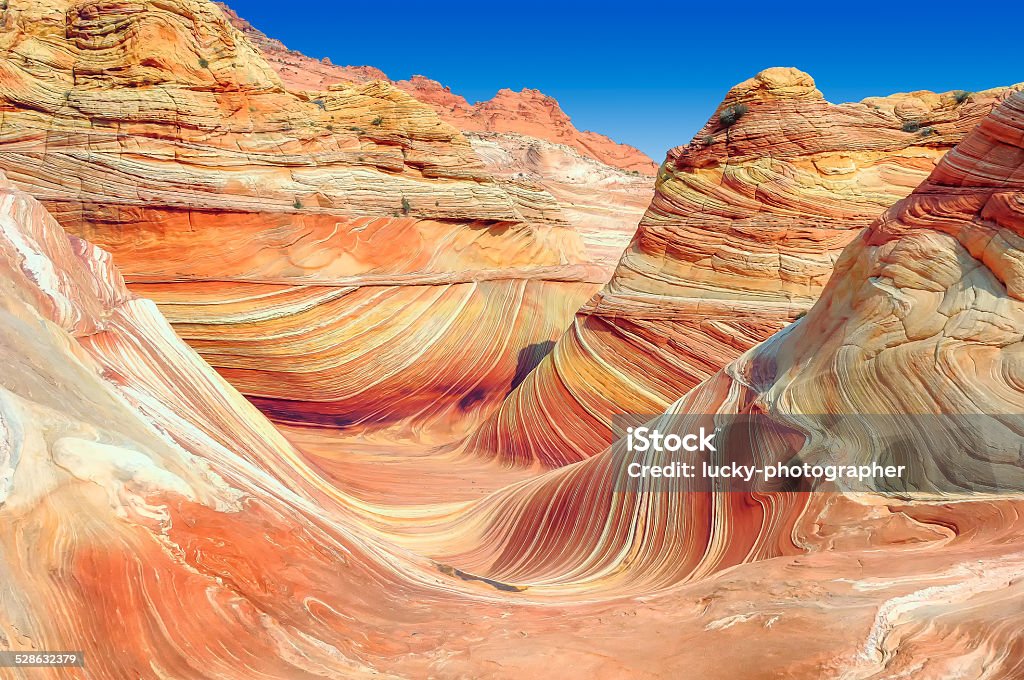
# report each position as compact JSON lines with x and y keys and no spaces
{"x":152,"y":517}
{"x":924,"y":314}
{"x":158,"y":132}
{"x":745,"y":226}
{"x":602,"y":203}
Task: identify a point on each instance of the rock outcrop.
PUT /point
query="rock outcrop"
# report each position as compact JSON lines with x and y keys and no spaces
{"x":602,"y":203}
{"x":264,"y":221}
{"x":744,"y":229}
{"x":602,"y":187}
{"x":529,"y":112}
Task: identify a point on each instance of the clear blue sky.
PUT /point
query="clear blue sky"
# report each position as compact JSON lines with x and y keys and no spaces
{"x":650,"y":73}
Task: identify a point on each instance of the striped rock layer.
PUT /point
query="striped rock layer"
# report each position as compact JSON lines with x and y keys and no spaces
{"x":603,"y":187}
{"x":267,"y":223}
{"x":153,"y":518}
{"x":746,"y":224}
{"x":923,"y":315}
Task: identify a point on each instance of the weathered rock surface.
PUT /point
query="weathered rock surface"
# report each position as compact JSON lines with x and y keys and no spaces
{"x":265,"y":222}
{"x":155,"y":520}
{"x":151,"y":516}
{"x":529,"y":112}
{"x":923,"y":317}
{"x":744,"y":229}
{"x":603,"y":204}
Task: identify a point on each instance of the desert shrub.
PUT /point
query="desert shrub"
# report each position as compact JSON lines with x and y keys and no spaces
{"x":377,"y":121}
{"x":928,"y":131}
{"x":321,"y":103}
{"x":203,"y":63}
{"x":961,"y":96}
{"x":708,"y":140}
{"x":406,"y":206}
{"x":297,"y":204}
{"x":911,"y":126}
{"x":731,"y":114}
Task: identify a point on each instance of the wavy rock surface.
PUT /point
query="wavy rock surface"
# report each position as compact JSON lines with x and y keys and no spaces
{"x":152,"y":518}
{"x":746,"y":224}
{"x":603,"y":204}
{"x":265,"y":221}
{"x":135,"y":481}
{"x":924,"y":314}
{"x":117,"y":442}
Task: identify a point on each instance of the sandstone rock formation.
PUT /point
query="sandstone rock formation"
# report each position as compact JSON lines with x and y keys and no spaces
{"x":348,"y":258}
{"x":153,"y":519}
{"x":602,"y":187}
{"x":264,"y":222}
{"x":923,"y":318}
{"x":602,"y":203}
{"x":745,"y":226}
{"x":529,"y":112}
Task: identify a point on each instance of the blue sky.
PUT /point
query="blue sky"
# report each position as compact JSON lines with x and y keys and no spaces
{"x":650,"y":73}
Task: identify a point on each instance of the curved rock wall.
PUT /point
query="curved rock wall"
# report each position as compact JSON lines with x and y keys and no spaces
{"x":746,"y":224}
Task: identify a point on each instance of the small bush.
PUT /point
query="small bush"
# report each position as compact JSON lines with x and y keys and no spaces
{"x":708,"y":140}
{"x":961,"y":96}
{"x":730,"y":115}
{"x":203,"y":63}
{"x":377,"y":121}
{"x":297,"y":204}
{"x":406,"y":206}
{"x":911,"y":126}
{"x":321,"y":103}
{"x":928,"y":131}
